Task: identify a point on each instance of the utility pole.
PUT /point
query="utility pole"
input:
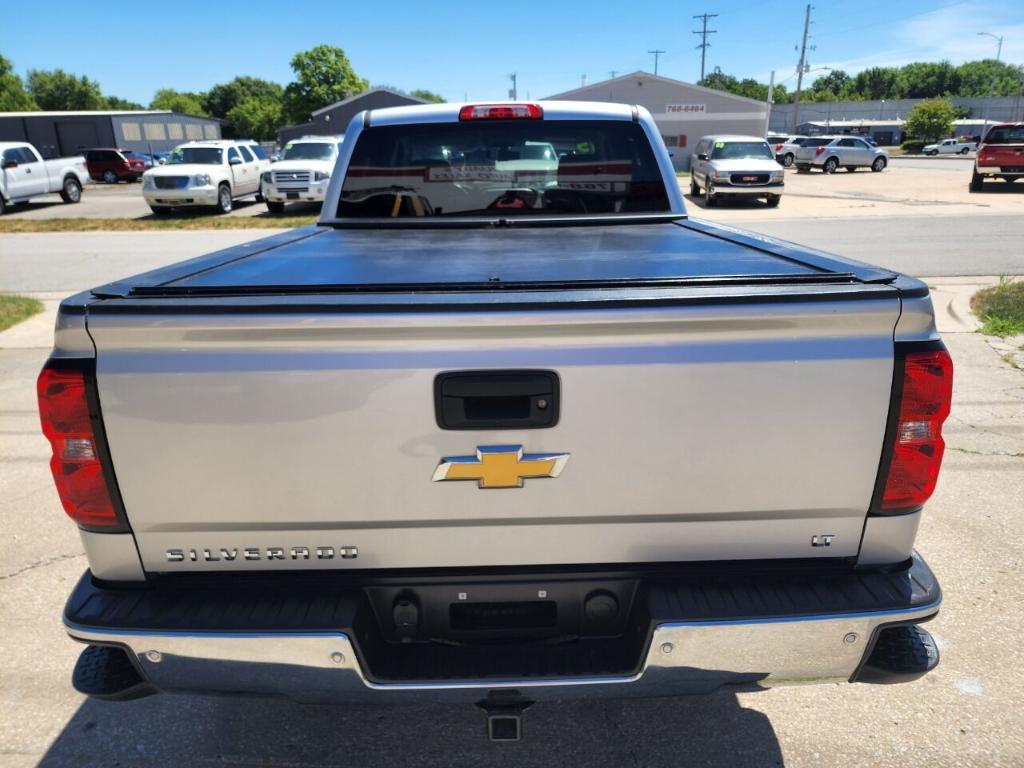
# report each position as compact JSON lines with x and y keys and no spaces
{"x":995,"y":75}
{"x":704,"y":32}
{"x":583,"y":80}
{"x":614,"y":73}
{"x":768,"y":105}
{"x":801,"y":67}
{"x":656,"y":53}
{"x":513,"y":93}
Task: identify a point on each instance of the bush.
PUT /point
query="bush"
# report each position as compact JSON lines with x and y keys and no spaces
{"x":912,"y":147}
{"x":1001,"y":308}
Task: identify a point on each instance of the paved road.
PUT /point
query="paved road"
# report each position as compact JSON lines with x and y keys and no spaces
{"x":914,"y":245}
{"x":116,"y":201}
{"x":956,"y":245}
{"x":74,"y":261}
{"x":937,"y":163}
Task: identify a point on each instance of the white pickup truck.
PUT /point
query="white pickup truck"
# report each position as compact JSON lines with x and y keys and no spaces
{"x":507,"y":425}
{"x":24,"y":174}
{"x":949,"y":147}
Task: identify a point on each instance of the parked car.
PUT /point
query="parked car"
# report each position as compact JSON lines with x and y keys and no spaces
{"x":24,"y":174}
{"x":113,"y":165}
{"x":566,"y":442}
{"x":147,"y":160}
{"x":785,"y":149}
{"x":302,"y":173}
{"x":735,"y":166}
{"x":829,"y":153}
{"x":1000,"y":156}
{"x":948,"y":147}
{"x":210,"y":174}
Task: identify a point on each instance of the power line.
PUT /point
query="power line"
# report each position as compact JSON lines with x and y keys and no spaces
{"x":801,"y":67}
{"x":704,"y":32}
{"x":656,"y":53}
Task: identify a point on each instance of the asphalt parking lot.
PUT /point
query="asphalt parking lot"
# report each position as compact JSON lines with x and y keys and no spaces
{"x":966,"y":713}
{"x":123,"y":200}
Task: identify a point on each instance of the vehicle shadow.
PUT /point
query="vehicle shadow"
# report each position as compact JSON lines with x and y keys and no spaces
{"x":169,"y":730}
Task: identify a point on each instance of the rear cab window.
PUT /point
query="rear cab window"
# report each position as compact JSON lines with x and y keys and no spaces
{"x":1006,"y":134}
{"x":501,"y":169}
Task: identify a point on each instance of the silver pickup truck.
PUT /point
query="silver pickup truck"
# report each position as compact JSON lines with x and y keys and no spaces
{"x":506,"y":425}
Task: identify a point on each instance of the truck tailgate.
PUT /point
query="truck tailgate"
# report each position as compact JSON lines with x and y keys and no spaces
{"x":693,"y":434}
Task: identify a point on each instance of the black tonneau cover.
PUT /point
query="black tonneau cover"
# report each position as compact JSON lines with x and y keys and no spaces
{"x":659,"y":254}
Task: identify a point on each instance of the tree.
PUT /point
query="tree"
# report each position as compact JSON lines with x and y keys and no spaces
{"x":877,"y":83}
{"x":930,"y":120}
{"x":977,"y":77}
{"x":256,"y":118}
{"x":114,"y":102}
{"x":928,"y":80}
{"x":223,"y":98}
{"x":830,"y":87}
{"x":57,"y":90}
{"x":423,"y":93}
{"x":748,"y":87}
{"x":13,"y":97}
{"x":184,"y":102}
{"x":323,"y":75}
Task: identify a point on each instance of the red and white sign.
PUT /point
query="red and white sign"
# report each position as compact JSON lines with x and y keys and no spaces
{"x":675,"y":109}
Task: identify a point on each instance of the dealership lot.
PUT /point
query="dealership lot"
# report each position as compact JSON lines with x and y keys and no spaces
{"x":920,"y":186}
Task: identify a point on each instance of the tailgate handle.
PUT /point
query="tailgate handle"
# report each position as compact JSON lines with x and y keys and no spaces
{"x":496,"y":399}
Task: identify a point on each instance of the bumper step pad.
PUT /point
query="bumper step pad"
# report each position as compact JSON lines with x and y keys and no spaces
{"x":901,"y":655}
{"x":107,"y":673}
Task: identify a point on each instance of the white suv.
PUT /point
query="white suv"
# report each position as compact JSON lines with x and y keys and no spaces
{"x":302,"y":173}
{"x":206,"y":173}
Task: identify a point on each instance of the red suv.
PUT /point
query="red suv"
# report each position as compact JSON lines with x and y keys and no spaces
{"x":113,"y":165}
{"x":1000,"y":155}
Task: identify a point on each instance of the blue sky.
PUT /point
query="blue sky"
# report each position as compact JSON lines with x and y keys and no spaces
{"x":466,"y":49}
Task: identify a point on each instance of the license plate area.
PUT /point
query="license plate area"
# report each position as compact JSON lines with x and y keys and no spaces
{"x":489,"y":617}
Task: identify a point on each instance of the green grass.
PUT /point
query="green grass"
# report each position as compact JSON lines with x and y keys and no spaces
{"x":14,"y":309}
{"x":155,"y":224}
{"x":1000,"y":308}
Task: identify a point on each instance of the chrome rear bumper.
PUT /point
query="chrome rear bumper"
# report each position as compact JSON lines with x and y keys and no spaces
{"x":703,"y":633}
{"x":683,"y":658}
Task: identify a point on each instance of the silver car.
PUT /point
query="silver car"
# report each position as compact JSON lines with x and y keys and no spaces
{"x":734,"y":166}
{"x":829,"y":153}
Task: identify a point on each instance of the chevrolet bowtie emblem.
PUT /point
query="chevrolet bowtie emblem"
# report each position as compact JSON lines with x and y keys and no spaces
{"x":500,"y":466}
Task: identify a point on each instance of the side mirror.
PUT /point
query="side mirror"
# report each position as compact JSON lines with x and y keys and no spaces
{"x":235,"y":161}
{"x":702,"y":156}
{"x":9,"y":164}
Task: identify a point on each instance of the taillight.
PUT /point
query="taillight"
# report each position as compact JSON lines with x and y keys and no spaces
{"x":819,"y":151}
{"x":501,"y":112}
{"x":917,"y":445}
{"x":76,"y":466}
